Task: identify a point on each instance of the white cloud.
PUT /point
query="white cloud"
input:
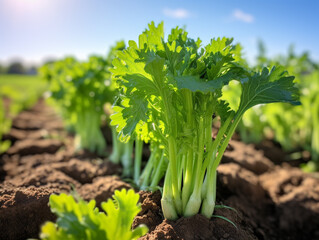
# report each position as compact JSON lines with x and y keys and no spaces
{"x":179,"y":13}
{"x":239,"y":15}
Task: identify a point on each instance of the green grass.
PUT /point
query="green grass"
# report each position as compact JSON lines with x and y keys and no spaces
{"x":21,"y":82}
{"x":23,"y":89}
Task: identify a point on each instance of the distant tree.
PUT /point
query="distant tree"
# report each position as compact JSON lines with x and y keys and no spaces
{"x":3,"y":69}
{"x":16,"y":68}
{"x":49,"y":60}
{"x":32,"y":70}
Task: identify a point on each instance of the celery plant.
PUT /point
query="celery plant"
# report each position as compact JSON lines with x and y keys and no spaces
{"x":81,"y":89}
{"x":310,"y":101}
{"x":123,"y":149}
{"x":122,"y":152}
{"x":173,"y":87}
{"x":155,"y":168}
{"x":83,"y":220}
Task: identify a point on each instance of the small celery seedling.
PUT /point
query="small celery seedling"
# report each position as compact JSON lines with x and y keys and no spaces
{"x":82,"y":220}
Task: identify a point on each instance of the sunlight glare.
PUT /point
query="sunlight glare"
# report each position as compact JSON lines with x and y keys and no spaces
{"x":27,"y":6}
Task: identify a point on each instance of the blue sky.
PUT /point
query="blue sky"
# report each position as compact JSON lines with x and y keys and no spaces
{"x":34,"y":30}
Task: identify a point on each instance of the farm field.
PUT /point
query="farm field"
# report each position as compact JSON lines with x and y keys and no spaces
{"x":23,"y":89}
{"x":17,"y":93}
{"x":162,"y":137}
{"x":263,"y":193}
{"x":17,"y":81}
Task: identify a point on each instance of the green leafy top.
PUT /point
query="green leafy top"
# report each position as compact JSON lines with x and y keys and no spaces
{"x":76,"y":85}
{"x":153,"y":69}
{"x":82,"y":220}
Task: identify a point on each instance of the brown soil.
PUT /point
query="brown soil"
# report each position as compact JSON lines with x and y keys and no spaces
{"x":273,"y":201}
{"x":196,"y":227}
